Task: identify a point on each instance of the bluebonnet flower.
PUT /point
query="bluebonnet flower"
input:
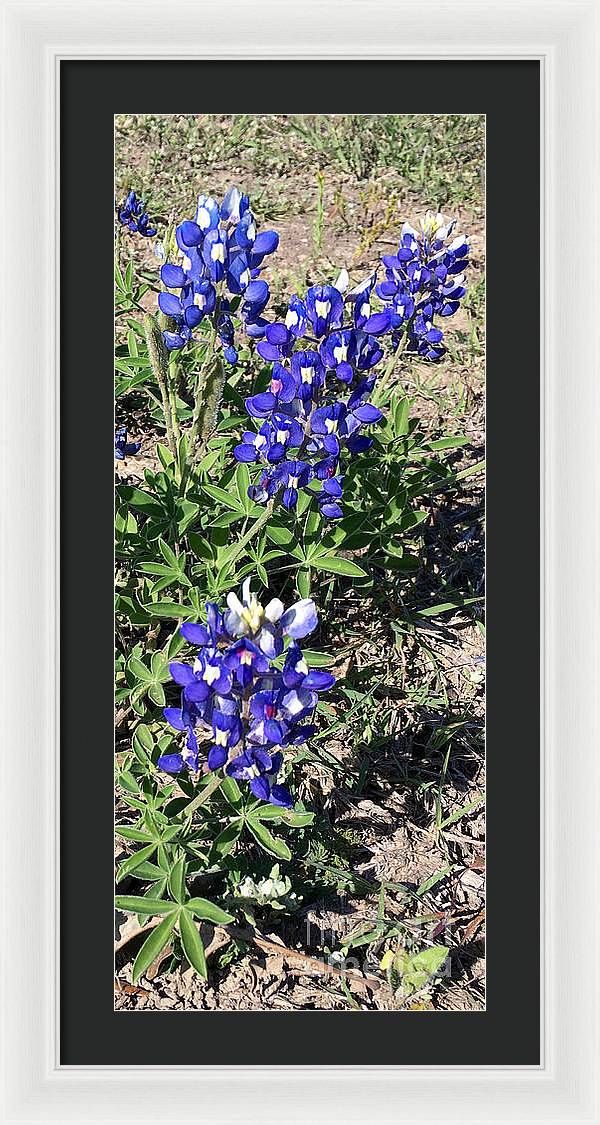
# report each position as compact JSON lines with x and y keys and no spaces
{"x":337,"y":421}
{"x":278,"y":343}
{"x":282,"y":390}
{"x":424,"y":279}
{"x":221,"y":254}
{"x":293,"y":475}
{"x":279,"y":433}
{"x":133,"y":215}
{"x":301,"y":425}
{"x":325,"y":308}
{"x":308,"y":374}
{"x":329,"y":498}
{"x":196,"y":301}
{"x":123,"y":448}
{"x":237,"y":701}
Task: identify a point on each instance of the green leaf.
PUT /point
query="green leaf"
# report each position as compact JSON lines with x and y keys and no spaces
{"x":242,"y":482}
{"x":333,"y":564}
{"x":156,"y":694}
{"x":168,"y":554}
{"x":281,"y":536}
{"x":169,"y":609}
{"x":125,"y":522}
{"x":431,"y":959}
{"x":146,"y":503}
{"x":317,"y":659}
{"x":159,"y":665}
{"x":443,"y":607}
{"x":449,"y":442}
{"x":231,"y":791}
{"x":401,"y":417}
{"x":226,"y":839}
{"x":182,"y":452}
{"x":154,"y":943}
{"x":462,"y":812}
{"x":192,"y":943}
{"x":297,"y":819}
{"x":165,"y":456}
{"x":303,"y":581}
{"x":177,"y":880}
{"x":189,"y":512}
{"x":139,"y":670}
{"x":285,"y":816}
{"x":431,"y":882}
{"x":208,"y":912}
{"x":134,"y":861}
{"x":135,"y":904}
{"x":224,"y":497}
{"x":270,"y":843}
{"x":147,"y":870}
{"x":159,"y":568}
{"x":136,"y":834}
{"x":143,"y":739}
{"x":201,"y":547}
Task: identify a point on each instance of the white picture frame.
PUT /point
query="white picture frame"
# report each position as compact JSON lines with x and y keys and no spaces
{"x":563,"y":35}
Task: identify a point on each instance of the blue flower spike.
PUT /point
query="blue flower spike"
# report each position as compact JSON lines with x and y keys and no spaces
{"x":221,"y":257}
{"x":124,"y":448}
{"x":324,"y":354}
{"x":234,"y":697}
{"x":133,"y":215}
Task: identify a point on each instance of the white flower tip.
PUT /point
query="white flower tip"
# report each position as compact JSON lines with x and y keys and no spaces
{"x":342,"y":282}
{"x":234,"y":603}
{"x":273,"y":610}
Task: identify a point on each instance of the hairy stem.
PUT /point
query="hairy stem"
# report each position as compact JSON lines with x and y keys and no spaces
{"x":204,"y":794}
{"x":158,"y":359}
{"x":254,"y":530}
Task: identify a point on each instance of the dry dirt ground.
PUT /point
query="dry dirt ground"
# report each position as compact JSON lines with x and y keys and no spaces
{"x":415,"y":823}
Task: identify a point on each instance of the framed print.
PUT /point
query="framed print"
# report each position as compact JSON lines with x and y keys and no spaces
{"x":328,"y":282}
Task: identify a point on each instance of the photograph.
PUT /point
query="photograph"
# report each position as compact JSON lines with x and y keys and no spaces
{"x":299,"y":449}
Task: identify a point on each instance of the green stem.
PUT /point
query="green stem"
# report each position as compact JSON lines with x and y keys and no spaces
{"x":199,"y":401}
{"x":204,"y":794}
{"x":158,"y":360}
{"x":172,"y":369}
{"x":254,"y":530}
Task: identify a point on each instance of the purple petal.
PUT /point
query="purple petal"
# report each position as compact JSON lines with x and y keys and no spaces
{"x":195,"y":634}
{"x":217,"y":756}
{"x":300,"y":619}
{"x":260,"y":788}
{"x":170,"y":763}
{"x":367,"y":413}
{"x":173,"y":717}
{"x":181,"y":673}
